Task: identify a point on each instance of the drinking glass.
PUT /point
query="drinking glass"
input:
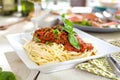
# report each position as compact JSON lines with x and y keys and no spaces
{"x":37,"y":9}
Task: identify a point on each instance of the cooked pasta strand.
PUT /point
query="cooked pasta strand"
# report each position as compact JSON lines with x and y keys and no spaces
{"x":42,"y":54}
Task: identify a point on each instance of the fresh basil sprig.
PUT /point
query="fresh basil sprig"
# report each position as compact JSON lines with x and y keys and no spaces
{"x":73,"y":41}
{"x":6,"y":75}
{"x":68,"y":27}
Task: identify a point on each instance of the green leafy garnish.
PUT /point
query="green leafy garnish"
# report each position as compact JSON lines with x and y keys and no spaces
{"x":36,"y":39}
{"x":0,"y":69}
{"x":117,"y":17}
{"x":74,"y":41}
{"x":83,"y":23}
{"x":56,"y":31}
{"x":47,"y":43}
{"x":6,"y":75}
{"x":68,"y":27}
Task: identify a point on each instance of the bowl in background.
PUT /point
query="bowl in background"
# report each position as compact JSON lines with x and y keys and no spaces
{"x":109,"y":3}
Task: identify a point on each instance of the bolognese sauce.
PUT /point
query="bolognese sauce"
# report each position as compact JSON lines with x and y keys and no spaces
{"x":59,"y":36}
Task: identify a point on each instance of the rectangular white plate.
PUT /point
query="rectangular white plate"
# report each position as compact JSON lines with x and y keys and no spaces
{"x":16,"y":41}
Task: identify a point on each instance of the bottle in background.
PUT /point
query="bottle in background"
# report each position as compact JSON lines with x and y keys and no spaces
{"x":0,"y":7}
{"x":27,"y":7}
{"x":8,"y":7}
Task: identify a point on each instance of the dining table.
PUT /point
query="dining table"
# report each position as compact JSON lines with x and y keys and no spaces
{"x":9,"y":60}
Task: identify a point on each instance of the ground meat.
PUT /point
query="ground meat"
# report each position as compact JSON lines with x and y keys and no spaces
{"x":60,"y":37}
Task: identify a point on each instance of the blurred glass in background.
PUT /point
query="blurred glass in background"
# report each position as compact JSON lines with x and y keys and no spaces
{"x":24,"y":7}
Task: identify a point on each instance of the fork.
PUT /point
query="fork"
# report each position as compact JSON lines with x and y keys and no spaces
{"x":114,"y":65}
{"x":115,"y":62}
{"x":28,"y":18}
{"x":4,"y":27}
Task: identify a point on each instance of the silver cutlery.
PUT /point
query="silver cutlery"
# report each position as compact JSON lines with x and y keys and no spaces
{"x":114,"y":65}
{"x":28,"y":18}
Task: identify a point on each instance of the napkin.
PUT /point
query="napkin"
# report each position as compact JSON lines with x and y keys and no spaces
{"x":100,"y":66}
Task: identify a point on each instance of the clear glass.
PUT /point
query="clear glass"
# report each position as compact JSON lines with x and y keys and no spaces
{"x":19,"y":9}
{"x":36,"y":13}
{"x":56,"y":5}
{"x":37,"y":9}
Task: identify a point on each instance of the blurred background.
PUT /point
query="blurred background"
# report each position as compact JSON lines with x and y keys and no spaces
{"x":23,"y":7}
{"x":46,"y":12}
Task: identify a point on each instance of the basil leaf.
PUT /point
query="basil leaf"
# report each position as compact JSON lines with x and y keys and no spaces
{"x":73,"y":41}
{"x":56,"y":31}
{"x":0,"y":69}
{"x":6,"y":75}
{"x":68,"y":25}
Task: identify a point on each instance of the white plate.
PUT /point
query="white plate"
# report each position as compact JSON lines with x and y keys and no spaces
{"x":16,"y":42}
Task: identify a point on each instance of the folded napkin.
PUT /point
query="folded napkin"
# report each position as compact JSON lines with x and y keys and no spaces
{"x":100,"y":66}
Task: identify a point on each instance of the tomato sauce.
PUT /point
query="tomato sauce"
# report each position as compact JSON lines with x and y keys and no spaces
{"x":47,"y":35}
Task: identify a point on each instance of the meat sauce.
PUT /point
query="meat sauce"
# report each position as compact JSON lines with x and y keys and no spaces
{"x":47,"y":35}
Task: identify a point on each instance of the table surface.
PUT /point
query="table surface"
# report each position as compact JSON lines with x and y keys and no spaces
{"x":25,"y":27}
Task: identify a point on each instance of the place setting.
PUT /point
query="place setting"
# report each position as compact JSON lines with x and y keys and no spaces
{"x":59,"y":40}
{"x":87,"y":53}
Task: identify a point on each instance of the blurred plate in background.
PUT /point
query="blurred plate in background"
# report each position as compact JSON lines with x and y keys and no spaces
{"x":94,"y":29}
{"x":81,"y":9}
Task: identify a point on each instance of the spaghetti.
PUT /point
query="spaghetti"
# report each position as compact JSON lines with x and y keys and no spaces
{"x":51,"y":45}
{"x":51,"y":53}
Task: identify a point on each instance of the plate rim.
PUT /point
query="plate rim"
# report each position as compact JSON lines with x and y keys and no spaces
{"x":94,"y":29}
